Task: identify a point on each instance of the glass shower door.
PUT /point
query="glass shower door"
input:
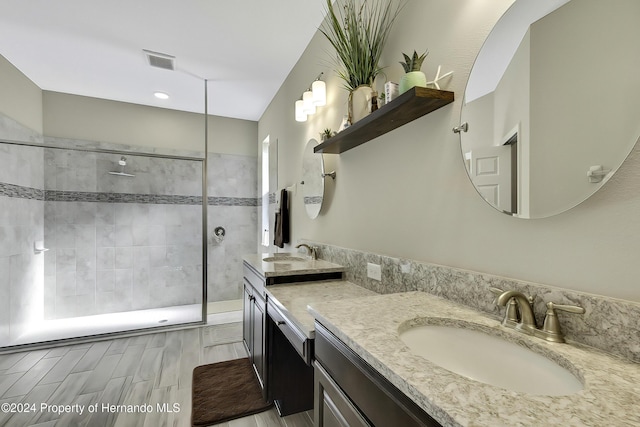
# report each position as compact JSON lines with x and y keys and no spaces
{"x":108,"y":242}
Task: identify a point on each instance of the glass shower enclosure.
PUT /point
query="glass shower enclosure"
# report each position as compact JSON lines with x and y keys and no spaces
{"x":98,"y":241}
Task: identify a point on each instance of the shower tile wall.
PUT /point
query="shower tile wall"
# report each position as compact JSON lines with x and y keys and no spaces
{"x":21,"y":224}
{"x":233,"y":204}
{"x":120,"y":243}
{"x":109,"y":253}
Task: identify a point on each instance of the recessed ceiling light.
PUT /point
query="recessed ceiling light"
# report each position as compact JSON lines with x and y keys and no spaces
{"x":161,"y":95}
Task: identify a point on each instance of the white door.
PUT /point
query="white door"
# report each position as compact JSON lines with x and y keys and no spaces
{"x":491,"y":174}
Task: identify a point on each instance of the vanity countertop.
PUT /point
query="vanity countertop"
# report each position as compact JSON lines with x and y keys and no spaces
{"x":293,"y":299}
{"x":290,"y":268}
{"x":369,"y":326}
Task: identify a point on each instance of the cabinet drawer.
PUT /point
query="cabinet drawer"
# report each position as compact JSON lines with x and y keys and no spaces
{"x":298,"y":340}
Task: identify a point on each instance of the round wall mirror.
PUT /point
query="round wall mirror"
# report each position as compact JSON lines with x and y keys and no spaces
{"x":312,"y":179}
{"x":552,"y":104}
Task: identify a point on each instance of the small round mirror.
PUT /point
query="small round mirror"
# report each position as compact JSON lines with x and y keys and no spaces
{"x":312,"y":179}
{"x":552,"y":104}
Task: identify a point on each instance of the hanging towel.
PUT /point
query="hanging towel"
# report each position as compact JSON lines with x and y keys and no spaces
{"x":281,"y":233}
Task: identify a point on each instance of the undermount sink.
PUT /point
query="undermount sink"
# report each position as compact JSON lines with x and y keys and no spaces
{"x":490,"y":360}
{"x":283,"y":258}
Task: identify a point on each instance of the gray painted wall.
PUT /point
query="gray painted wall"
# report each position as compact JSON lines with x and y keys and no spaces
{"x":406,"y":194}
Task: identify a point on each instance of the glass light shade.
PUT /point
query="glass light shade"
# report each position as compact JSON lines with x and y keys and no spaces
{"x":309,"y":107}
{"x":301,"y":116}
{"x":319,"y":89}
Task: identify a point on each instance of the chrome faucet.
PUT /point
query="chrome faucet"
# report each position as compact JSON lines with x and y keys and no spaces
{"x":523,"y":319}
{"x":312,"y":250}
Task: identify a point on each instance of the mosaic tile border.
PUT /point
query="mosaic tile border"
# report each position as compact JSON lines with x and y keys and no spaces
{"x":313,"y":200}
{"x":21,"y":192}
{"x":609,"y":324}
{"x":17,"y":191}
{"x":234,"y":201}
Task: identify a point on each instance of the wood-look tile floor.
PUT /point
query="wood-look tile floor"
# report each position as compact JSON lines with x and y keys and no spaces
{"x":49,"y":387}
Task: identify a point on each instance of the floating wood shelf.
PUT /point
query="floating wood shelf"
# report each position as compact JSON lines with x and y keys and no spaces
{"x":412,"y":104}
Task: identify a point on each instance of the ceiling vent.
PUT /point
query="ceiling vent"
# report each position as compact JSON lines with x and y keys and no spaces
{"x":160,"y":60}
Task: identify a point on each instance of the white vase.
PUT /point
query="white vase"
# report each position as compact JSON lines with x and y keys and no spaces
{"x":412,"y":79}
{"x":360,"y":103}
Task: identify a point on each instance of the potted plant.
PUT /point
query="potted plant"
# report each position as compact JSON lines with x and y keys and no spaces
{"x":358,"y":31}
{"x":326,"y":134}
{"x":413,"y":75}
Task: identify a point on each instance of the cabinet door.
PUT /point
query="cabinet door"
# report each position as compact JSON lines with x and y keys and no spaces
{"x":332,"y":407}
{"x":258,"y":330}
{"x":247,"y":308}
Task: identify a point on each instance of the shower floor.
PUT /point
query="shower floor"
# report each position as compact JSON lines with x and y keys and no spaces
{"x":75,"y":327}
{"x":49,"y":330}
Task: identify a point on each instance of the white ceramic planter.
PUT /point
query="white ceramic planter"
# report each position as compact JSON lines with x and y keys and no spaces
{"x":360,"y":103}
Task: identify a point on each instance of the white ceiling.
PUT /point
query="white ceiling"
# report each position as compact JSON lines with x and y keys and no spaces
{"x":245,"y":48}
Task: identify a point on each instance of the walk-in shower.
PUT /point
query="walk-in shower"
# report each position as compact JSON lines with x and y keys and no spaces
{"x":87,"y":250}
{"x":104,"y":209}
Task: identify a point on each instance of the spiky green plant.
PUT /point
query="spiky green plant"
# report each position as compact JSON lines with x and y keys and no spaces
{"x":358,"y":31}
{"x":327,"y":133}
{"x":413,"y":63}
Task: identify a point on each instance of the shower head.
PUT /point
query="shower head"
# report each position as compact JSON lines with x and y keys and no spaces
{"x":120,"y":173}
{"x":122,"y":162}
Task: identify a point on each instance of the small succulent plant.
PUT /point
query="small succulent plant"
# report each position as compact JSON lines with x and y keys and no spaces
{"x":327,"y":133}
{"x":413,"y":63}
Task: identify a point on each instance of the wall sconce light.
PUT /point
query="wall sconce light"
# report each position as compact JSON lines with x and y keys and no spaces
{"x":301,"y":116}
{"x":308,"y":106}
{"x":315,"y":96}
{"x":319,"y":89}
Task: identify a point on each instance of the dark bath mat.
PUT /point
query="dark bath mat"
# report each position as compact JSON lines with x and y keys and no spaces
{"x":224,"y":391}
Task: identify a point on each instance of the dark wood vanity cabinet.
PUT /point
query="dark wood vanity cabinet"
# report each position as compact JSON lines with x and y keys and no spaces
{"x":290,"y":355}
{"x":349,"y":392}
{"x":254,"y":326}
{"x":281,"y":353}
{"x":332,"y":407}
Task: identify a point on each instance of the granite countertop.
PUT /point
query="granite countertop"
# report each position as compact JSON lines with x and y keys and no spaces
{"x":292,"y":299}
{"x":290,"y":268}
{"x":370,"y":326}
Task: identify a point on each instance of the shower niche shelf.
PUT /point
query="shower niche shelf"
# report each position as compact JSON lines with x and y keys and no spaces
{"x":414,"y":103}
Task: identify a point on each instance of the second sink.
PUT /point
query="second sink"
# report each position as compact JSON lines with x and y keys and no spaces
{"x":490,"y":359}
{"x":283,"y":258}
